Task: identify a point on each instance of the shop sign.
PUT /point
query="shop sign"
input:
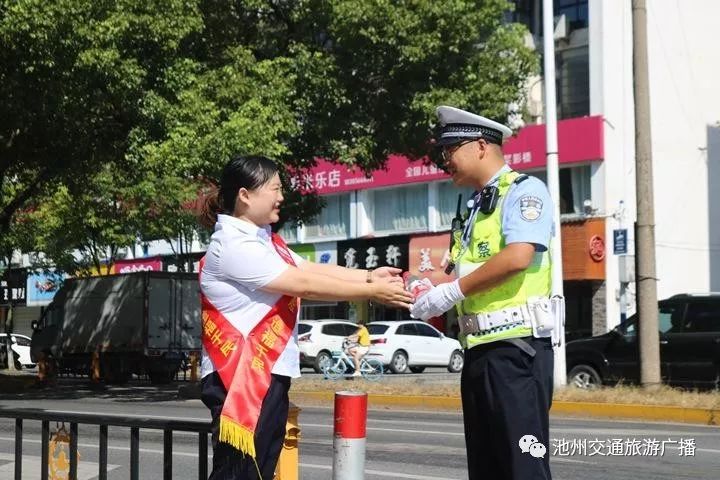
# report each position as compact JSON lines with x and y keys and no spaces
{"x":370,"y":253}
{"x":579,"y":140}
{"x":596,"y":247}
{"x":429,"y":255}
{"x":138,"y":265}
{"x":13,"y":286}
{"x":323,"y":252}
{"x":42,"y":287}
{"x":326,"y":252}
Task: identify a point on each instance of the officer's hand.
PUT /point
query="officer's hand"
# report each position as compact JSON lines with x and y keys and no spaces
{"x":437,"y":301}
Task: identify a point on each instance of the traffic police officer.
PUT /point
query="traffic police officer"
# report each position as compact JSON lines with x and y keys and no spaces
{"x":501,"y":258}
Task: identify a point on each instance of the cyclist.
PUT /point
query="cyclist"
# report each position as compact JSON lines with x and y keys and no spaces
{"x":361,"y":345}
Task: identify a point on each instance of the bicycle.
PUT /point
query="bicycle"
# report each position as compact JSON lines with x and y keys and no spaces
{"x":370,"y":368}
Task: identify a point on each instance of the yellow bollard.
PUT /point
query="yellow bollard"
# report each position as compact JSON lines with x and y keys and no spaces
{"x":288,"y":465}
{"x":42,"y":366}
{"x":194,"y":367}
{"x":95,"y":367}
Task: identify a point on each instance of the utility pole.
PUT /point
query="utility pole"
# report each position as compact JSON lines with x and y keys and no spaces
{"x":553,"y":179}
{"x":645,"y":242}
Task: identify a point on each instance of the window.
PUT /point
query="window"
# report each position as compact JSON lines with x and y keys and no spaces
{"x":376,"y":329}
{"x":400,"y":209}
{"x":303,"y":328}
{"x":407,"y":329}
{"x":574,"y":187}
{"x":426,"y":330}
{"x":333,"y":220}
{"x":573,"y":82}
{"x":703,"y":317}
{"x":670,"y":318}
{"x":21,"y":341}
{"x":349,"y":329}
{"x":576,"y":12}
{"x":289,"y":232}
{"x":447,"y":202}
{"x":335,"y":329}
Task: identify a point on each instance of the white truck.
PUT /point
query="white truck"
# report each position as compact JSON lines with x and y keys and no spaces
{"x":136,"y":323}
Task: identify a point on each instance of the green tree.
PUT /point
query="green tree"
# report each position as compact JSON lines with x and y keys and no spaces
{"x":71,"y":75}
{"x":81,"y":230}
{"x":165,"y":91}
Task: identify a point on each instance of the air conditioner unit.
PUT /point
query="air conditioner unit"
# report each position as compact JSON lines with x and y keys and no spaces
{"x":561,"y":27}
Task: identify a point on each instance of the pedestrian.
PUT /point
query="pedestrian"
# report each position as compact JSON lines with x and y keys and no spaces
{"x":502,"y":291}
{"x":250,"y":286}
{"x":361,"y":339}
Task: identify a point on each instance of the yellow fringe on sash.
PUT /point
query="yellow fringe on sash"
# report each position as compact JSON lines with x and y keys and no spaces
{"x":237,"y":435}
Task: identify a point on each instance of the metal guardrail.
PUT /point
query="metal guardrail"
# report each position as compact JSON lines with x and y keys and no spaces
{"x":135,"y":423}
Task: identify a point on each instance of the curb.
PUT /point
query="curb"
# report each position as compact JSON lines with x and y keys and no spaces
{"x":602,"y":410}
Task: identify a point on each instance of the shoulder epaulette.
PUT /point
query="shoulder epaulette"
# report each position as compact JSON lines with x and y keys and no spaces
{"x":521,"y":178}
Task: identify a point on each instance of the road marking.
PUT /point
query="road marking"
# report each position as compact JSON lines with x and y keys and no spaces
{"x":31,"y":467}
{"x":379,"y":473}
{"x":636,"y":432}
{"x":415,"y":422}
{"x":376,"y":429}
{"x":111,"y":447}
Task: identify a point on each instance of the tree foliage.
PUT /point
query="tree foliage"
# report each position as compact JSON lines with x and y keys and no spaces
{"x":161,"y":93}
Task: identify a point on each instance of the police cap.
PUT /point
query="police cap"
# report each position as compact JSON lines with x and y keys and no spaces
{"x":456,"y":125}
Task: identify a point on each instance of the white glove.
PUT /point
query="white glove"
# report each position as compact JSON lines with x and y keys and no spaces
{"x":437,"y":301}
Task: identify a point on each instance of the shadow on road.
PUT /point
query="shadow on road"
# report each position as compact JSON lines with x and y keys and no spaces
{"x":83,"y":388}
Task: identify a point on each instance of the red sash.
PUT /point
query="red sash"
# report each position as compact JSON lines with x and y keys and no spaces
{"x":245,"y":363}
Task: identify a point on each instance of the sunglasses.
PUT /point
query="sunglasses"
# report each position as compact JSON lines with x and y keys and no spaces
{"x":448,"y":150}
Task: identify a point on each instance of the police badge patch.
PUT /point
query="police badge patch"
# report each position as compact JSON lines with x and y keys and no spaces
{"x":530,"y":208}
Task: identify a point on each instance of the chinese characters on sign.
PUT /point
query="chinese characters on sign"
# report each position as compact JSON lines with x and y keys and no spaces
{"x":374,"y":253}
{"x":518,"y":158}
{"x":429,"y":255}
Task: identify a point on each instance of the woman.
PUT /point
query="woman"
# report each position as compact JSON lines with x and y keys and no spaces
{"x":361,"y":338}
{"x":250,"y":284}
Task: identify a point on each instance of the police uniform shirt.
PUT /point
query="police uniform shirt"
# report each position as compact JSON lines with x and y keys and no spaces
{"x":527,"y":212}
{"x":240,"y":260}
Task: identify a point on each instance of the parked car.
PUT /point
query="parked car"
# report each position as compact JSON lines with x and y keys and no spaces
{"x":689,"y":328}
{"x":317,"y":340}
{"x":21,"y":347}
{"x":414,"y":345}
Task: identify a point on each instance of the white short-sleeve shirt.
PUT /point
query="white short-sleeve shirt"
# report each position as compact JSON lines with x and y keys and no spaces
{"x":240,"y":260}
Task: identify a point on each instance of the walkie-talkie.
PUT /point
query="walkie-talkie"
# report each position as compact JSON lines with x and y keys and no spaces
{"x":456,"y":227}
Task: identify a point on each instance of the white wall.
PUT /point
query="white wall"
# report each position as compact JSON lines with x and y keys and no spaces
{"x":684,"y":67}
{"x":611,"y":95}
{"x":684,"y":70}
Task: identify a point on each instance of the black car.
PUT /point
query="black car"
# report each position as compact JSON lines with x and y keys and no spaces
{"x":689,"y":347}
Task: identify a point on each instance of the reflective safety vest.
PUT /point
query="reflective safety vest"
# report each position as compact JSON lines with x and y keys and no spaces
{"x":486,"y":240}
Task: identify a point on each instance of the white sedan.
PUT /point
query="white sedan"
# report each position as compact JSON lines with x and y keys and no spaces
{"x":21,"y":347}
{"x":414,"y":345}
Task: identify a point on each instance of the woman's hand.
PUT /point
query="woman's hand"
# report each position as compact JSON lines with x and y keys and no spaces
{"x":386,"y":273}
{"x":390,"y":292}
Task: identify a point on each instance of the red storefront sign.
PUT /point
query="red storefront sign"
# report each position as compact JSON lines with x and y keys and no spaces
{"x":138,"y":265}
{"x":579,"y":140}
{"x":428,"y":257}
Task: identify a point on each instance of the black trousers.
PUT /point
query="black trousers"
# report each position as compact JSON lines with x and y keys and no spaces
{"x":506,"y":394}
{"x":228,"y":462}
